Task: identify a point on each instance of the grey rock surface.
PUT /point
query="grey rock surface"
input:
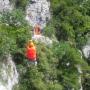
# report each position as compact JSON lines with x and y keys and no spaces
{"x":38,"y":12}
{"x":5,"y":5}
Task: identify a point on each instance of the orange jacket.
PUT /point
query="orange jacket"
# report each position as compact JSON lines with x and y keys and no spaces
{"x":31,"y":53}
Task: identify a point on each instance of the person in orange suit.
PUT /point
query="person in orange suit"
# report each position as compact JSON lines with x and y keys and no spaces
{"x":31,"y":52}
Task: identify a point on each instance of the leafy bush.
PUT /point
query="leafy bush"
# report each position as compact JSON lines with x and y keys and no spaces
{"x":69,"y":22}
{"x":48,"y":30}
{"x":16,"y":18}
{"x":13,"y":39}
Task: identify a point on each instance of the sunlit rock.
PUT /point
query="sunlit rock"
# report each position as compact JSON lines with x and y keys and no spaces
{"x":43,"y":39}
{"x":5,"y":5}
{"x":38,"y":12}
{"x":8,"y":74}
{"x":86,"y":51}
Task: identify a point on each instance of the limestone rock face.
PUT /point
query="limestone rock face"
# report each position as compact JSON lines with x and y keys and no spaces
{"x":86,"y":51}
{"x":43,"y":39}
{"x":8,"y":74}
{"x":5,"y":5}
{"x":38,"y":12}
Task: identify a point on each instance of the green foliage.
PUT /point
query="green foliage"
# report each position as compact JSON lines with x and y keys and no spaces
{"x":48,"y":30}
{"x":86,"y":81}
{"x":69,"y":58}
{"x":55,"y":87}
{"x":12,"y":39}
{"x":69,"y":21}
{"x":16,"y":18}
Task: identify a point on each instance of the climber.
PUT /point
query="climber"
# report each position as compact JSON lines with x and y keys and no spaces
{"x":31,"y":52}
{"x":37,"y":29}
